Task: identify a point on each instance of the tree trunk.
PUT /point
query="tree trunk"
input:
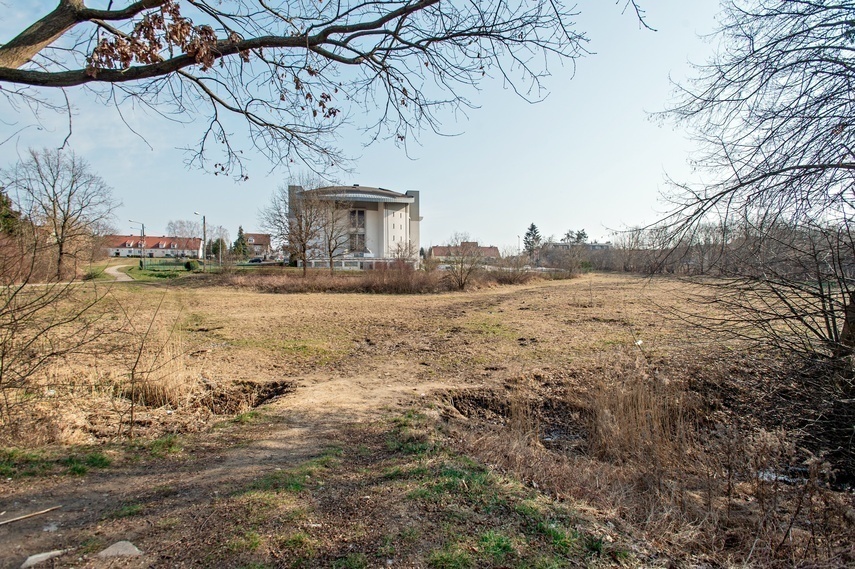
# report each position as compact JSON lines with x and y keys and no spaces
{"x":60,"y":254}
{"x":846,"y":343}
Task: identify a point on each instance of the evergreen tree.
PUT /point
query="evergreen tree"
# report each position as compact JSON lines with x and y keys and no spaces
{"x":240,"y":249}
{"x":9,"y":218}
{"x":532,"y":240}
{"x":217,"y":246}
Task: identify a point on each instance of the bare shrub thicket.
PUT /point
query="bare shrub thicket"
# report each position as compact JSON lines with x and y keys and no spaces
{"x":395,"y":279}
{"x":79,"y":362}
{"x":512,"y":268}
{"x":391,"y":278}
{"x":463,"y":262}
{"x":652,"y":453}
{"x":40,"y":323}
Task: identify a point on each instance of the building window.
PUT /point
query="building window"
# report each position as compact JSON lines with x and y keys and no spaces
{"x":357,"y":243}
{"x":357,"y":219}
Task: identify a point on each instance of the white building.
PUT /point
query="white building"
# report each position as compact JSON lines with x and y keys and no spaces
{"x":382,"y":223}
{"x":152,"y":246}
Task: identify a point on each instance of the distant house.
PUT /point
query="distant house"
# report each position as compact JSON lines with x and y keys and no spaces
{"x":446,"y":252}
{"x":152,"y":246}
{"x":259,"y":244}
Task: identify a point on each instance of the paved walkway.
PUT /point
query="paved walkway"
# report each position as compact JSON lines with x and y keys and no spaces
{"x":117,"y":274}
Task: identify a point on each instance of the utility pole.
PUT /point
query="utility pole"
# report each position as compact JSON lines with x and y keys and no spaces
{"x":204,"y":243}
{"x":142,"y":242}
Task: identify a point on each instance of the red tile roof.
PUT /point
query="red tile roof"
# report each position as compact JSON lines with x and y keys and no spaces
{"x":152,"y":242}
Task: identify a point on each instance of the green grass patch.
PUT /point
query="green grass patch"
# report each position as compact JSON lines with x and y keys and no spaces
{"x":295,"y":480}
{"x":248,"y":541}
{"x":352,"y":561}
{"x":145,"y":275}
{"x":496,"y":546}
{"x":562,"y":540}
{"x":91,"y":545}
{"x":463,"y":478}
{"x":450,"y":558}
{"x":300,"y":543}
{"x":280,"y":481}
{"x":165,"y":445}
{"x":15,"y":463}
{"x":248,"y":417}
{"x":491,"y":328}
{"x":80,"y":465}
{"x":127,"y":511}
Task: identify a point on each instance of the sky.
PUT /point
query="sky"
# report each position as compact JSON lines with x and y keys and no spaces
{"x":587,"y":157}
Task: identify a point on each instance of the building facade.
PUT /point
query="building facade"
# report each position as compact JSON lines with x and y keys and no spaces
{"x":382,"y":225}
{"x":259,"y":244}
{"x":152,"y":246}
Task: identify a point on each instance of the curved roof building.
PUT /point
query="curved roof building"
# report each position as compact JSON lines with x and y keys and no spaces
{"x":381,"y":224}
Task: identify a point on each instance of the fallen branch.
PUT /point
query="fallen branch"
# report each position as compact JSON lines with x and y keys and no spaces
{"x":24,"y":517}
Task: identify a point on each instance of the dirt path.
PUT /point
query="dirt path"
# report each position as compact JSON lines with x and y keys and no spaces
{"x":295,"y":428}
{"x":116,"y":273}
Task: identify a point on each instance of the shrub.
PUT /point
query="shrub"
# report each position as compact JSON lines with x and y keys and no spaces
{"x":192,"y":265}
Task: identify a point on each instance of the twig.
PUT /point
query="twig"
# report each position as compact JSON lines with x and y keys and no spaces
{"x":24,"y":517}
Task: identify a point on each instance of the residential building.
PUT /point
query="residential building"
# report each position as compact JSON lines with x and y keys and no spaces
{"x":259,"y":244}
{"x":381,"y":224}
{"x":488,"y":254}
{"x":152,"y":246}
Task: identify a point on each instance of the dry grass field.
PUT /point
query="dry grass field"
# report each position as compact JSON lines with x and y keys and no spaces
{"x":552,"y":424}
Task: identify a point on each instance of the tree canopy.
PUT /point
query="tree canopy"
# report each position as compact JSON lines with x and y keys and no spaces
{"x":773,"y":114}
{"x":532,"y":239}
{"x":293,"y":70}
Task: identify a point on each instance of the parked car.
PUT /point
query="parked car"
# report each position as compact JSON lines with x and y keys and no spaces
{"x":256,"y":260}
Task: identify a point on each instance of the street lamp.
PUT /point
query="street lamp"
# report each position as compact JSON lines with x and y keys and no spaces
{"x":204,"y":242}
{"x":142,"y":242}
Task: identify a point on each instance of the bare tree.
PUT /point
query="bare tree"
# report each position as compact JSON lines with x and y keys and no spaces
{"x":293,"y":71}
{"x":57,"y":191}
{"x":405,"y":253}
{"x":294,"y":217}
{"x":513,"y":266}
{"x":184,"y":228}
{"x":463,"y":261}
{"x":773,"y":115}
{"x":334,"y":228}
{"x":218,"y":242}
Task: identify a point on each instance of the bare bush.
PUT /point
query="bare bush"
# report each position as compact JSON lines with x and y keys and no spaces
{"x":716,"y":491}
{"x":40,"y":324}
